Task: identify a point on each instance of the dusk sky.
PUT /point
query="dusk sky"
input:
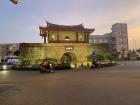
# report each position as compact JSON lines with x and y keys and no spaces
{"x":20,"y":23}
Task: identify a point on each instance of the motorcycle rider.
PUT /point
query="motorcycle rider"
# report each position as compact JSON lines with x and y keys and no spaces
{"x":46,"y":67}
{"x":95,"y":64}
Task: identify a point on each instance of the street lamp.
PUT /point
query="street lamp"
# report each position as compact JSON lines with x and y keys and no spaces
{"x":123,"y":53}
{"x":14,"y":1}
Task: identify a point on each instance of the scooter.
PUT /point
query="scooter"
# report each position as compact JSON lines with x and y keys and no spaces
{"x":47,"y":69}
{"x":96,"y":65}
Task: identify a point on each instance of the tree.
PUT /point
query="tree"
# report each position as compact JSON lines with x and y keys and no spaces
{"x":138,"y":50}
{"x":108,"y":56}
{"x":16,"y":53}
{"x":98,"y":57}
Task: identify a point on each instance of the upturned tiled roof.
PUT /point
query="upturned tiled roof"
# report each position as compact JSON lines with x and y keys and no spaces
{"x":76,"y":28}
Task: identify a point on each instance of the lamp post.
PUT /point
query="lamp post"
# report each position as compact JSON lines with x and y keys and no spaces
{"x":14,"y":1}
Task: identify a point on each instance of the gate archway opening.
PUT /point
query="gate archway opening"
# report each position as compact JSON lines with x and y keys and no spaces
{"x":68,"y":58}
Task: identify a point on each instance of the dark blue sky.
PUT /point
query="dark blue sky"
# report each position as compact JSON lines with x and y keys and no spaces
{"x":19,"y":23}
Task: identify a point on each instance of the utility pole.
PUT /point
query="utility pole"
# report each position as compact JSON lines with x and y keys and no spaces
{"x":135,"y":44}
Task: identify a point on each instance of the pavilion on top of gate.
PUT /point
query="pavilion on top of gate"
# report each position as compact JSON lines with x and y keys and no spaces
{"x":65,"y":34}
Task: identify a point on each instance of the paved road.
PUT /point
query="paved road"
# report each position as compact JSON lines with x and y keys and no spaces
{"x":119,"y":85}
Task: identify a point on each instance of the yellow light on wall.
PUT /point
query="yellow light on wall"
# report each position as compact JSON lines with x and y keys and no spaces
{"x":80,"y":38}
{"x":14,"y":1}
{"x":53,"y":37}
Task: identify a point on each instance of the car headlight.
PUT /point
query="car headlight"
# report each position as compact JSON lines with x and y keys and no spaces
{"x":4,"y":67}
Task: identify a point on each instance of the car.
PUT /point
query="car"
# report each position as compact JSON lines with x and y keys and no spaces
{"x":6,"y":66}
{"x":12,"y":60}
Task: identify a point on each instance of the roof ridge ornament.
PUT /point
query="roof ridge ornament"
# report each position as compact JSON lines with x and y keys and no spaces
{"x":82,"y":24}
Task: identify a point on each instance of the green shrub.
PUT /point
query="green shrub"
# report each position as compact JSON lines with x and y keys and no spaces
{"x":108,"y":56}
{"x":38,"y":61}
{"x":25,"y":62}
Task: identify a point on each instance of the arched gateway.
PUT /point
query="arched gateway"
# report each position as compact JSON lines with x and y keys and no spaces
{"x":64,"y":42}
{"x":69,"y":58}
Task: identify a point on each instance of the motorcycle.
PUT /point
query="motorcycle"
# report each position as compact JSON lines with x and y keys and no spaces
{"x":46,"y":68}
{"x":96,"y":65}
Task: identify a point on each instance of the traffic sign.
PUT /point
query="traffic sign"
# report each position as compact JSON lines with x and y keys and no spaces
{"x":94,"y":53}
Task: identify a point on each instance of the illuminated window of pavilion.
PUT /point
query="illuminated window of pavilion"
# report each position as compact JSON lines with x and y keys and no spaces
{"x":53,"y":37}
{"x":67,"y":38}
{"x":80,"y":38}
